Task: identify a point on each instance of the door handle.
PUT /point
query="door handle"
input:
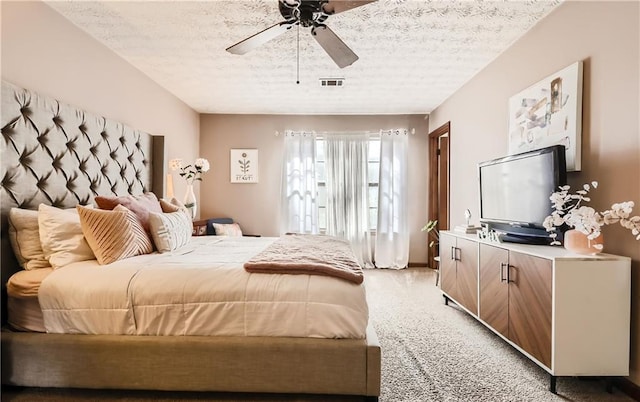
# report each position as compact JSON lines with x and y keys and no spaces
{"x":458,"y":254}
{"x":508,"y":272}
{"x":502,"y":265}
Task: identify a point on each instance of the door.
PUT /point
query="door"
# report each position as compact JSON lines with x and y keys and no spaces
{"x":448,"y":266}
{"x":467,"y":274}
{"x":530,"y":305}
{"x":494,"y":290}
{"x":438,"y":208}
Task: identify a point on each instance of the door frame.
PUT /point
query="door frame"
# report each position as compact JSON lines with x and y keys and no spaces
{"x":435,"y":188}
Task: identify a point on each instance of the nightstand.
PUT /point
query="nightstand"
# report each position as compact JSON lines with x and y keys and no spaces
{"x":200,"y":227}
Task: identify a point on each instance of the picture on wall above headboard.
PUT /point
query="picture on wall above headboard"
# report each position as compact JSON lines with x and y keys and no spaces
{"x":549,"y":113}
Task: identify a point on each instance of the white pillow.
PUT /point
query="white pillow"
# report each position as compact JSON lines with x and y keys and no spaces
{"x":227,"y":229}
{"x":61,"y":236}
{"x":170,"y":231}
{"x":25,"y":239}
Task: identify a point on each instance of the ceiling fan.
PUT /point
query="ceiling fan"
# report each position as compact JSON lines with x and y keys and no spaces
{"x":308,"y":13}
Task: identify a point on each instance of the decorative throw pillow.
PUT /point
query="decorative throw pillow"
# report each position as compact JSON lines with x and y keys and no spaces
{"x":168,"y":207}
{"x":172,"y":206}
{"x":170,"y":231}
{"x":61,"y":236}
{"x":24,"y":236}
{"x":227,"y":229}
{"x":140,"y":205}
{"x":114,"y":235}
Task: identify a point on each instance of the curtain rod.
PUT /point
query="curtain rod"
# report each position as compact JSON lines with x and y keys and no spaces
{"x":371,"y":133}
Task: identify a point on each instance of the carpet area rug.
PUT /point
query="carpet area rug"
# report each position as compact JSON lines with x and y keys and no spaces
{"x":435,"y":352}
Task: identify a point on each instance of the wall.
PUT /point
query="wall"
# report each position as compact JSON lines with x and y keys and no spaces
{"x":256,"y":206}
{"x":605,"y":35}
{"x":44,"y":52}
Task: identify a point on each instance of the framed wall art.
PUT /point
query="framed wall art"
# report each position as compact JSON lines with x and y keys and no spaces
{"x":549,"y":113}
{"x":244,"y":166}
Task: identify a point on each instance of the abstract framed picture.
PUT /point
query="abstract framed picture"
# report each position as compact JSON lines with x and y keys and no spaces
{"x":244,"y":165}
{"x":549,"y":113}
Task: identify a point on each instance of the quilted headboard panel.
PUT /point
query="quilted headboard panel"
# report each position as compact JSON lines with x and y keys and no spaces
{"x":56,"y":154}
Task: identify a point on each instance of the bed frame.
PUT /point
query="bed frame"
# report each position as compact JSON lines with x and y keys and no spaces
{"x":56,"y":154}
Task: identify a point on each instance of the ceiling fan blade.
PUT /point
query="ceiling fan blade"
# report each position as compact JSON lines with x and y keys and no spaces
{"x":260,"y":38}
{"x":334,"y":46}
{"x":338,"y":6}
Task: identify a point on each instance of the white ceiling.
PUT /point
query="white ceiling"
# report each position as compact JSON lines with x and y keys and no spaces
{"x":413,"y":54}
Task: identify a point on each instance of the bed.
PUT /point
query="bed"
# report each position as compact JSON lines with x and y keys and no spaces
{"x":58,"y":155}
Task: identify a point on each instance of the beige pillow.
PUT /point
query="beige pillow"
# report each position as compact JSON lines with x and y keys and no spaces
{"x":61,"y":236}
{"x":172,"y":206}
{"x":114,"y":235}
{"x":227,"y":229}
{"x":25,"y":239}
{"x":170,"y":231}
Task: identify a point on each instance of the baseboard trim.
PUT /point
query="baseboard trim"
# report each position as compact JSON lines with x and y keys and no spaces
{"x":625,"y":385}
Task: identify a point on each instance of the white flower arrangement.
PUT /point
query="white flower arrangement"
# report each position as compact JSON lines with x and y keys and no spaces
{"x":570,"y":211}
{"x":190,"y":172}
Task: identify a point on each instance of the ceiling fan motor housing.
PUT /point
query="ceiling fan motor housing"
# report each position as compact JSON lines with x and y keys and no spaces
{"x":307,"y":12}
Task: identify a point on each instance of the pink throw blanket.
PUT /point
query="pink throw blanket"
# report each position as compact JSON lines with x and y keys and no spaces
{"x":308,"y":254}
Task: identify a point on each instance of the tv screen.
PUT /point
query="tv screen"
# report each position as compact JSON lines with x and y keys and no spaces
{"x":515,"y":190}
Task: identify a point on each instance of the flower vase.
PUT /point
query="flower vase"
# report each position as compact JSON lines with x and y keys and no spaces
{"x":579,"y":243}
{"x":190,"y":201}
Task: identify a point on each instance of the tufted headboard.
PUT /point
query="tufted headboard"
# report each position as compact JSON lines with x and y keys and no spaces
{"x":56,"y":154}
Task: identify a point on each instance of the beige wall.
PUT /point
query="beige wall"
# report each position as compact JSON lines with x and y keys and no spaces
{"x":46,"y":53}
{"x":605,"y":35}
{"x":256,"y":206}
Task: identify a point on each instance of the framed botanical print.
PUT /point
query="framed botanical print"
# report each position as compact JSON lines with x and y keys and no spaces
{"x":244,"y":165}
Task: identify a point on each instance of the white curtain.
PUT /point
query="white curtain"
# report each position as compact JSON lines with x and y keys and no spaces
{"x":347,"y":192}
{"x":392,"y":238}
{"x":299,"y":212}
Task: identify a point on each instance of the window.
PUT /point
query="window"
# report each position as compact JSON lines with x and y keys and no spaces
{"x":373,"y":173}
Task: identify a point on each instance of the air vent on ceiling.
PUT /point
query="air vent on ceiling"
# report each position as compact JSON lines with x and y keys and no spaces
{"x":331,"y":82}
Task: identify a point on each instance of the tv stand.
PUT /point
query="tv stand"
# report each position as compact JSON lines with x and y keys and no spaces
{"x":568,"y":313}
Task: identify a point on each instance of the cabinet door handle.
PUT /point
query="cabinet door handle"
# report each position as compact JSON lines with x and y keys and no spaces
{"x":453,"y":253}
{"x":458,"y":254}
{"x":508,"y":272}
{"x":502,"y":265}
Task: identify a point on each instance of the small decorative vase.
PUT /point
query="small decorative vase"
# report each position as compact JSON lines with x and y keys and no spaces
{"x":578,"y":242}
{"x":190,"y":201}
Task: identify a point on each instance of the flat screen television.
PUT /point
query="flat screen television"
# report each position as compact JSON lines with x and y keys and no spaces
{"x":515,"y":190}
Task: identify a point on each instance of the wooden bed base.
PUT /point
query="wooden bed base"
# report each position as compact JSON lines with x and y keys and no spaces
{"x":194,"y":363}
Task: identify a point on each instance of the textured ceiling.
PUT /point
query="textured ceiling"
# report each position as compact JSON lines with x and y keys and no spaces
{"x":413,"y":54}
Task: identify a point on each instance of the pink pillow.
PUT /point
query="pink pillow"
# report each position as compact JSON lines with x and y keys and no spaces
{"x":140,"y":205}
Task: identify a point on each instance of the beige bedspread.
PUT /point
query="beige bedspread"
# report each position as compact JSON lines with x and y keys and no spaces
{"x":310,"y":255}
{"x":200,"y":289}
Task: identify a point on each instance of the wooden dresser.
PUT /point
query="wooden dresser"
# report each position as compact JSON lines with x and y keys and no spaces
{"x":568,"y":313}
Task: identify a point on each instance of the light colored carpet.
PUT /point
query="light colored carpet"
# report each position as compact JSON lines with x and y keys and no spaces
{"x":430,"y":352}
{"x":434,"y":352}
